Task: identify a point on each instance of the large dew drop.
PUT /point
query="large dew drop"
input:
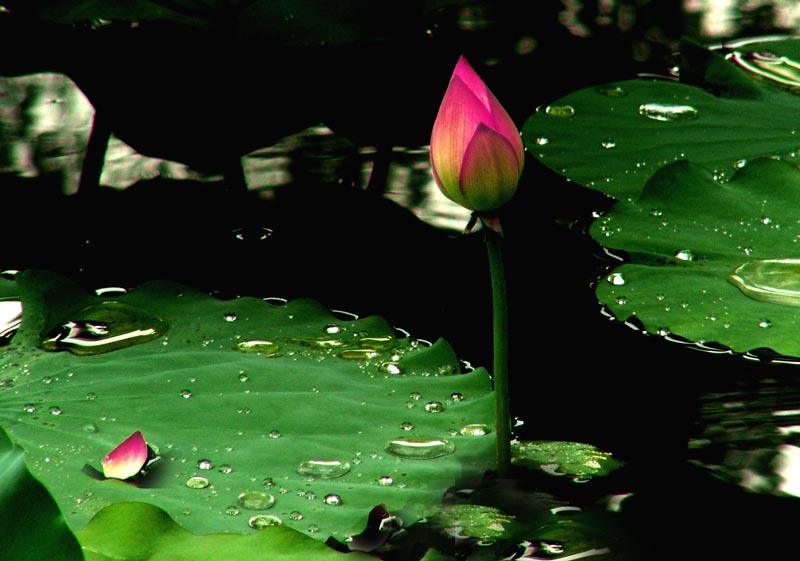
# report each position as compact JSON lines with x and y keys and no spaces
{"x":104,"y":327}
{"x":255,"y":500}
{"x":323,"y":469}
{"x":420,"y":447}
{"x":10,"y":319}
{"x":668,"y":112}
{"x":774,"y":280}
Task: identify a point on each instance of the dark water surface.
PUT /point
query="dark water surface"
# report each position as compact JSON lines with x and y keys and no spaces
{"x":710,"y":439}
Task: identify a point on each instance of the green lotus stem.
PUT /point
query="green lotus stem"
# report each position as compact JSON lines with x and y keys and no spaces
{"x":500,"y":350}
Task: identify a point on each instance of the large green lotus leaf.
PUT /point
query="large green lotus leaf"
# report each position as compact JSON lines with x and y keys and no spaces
{"x":614,"y":137}
{"x":143,"y":532}
{"x":254,"y":416}
{"x":710,"y":261}
{"x":33,"y":527}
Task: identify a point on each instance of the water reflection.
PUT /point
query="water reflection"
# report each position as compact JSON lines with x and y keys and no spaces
{"x":45,"y":123}
{"x":749,"y":435}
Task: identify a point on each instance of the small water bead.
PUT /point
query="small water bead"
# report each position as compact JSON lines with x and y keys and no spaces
{"x":255,"y":500}
{"x":232,"y":511}
{"x":205,"y":464}
{"x":55,"y":410}
{"x":668,"y":112}
{"x":446,"y":370}
{"x":559,"y":110}
{"x":275,"y":434}
{"x":323,"y":469}
{"x":332,"y":329}
{"x":415,"y":396}
{"x":197,"y":482}
{"x":91,"y":396}
{"x":186,"y":394}
{"x":475,"y":429}
{"x":542,"y":141}
{"x":332,"y":500}
{"x":765,"y":323}
{"x":434,"y":407}
{"x":243,"y":410}
{"x":230,"y":316}
{"x":296,"y":515}
{"x":29,"y":408}
{"x":385,"y":481}
{"x":609,"y":90}
{"x":268,"y":482}
{"x":225,"y":468}
{"x":616,"y":279}
{"x":260,"y":521}
{"x":390,"y":368}
{"x":420,"y":447}
{"x":404,"y":426}
{"x":89,"y":427}
{"x":455,"y":396}
{"x":47,"y":380}
{"x":621,"y":300}
{"x":312,"y":529}
{"x":656,"y":212}
{"x":608,"y":143}
{"x":685,"y":255}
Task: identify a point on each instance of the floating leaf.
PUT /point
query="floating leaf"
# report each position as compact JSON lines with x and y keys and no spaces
{"x":726,"y":275}
{"x":614,"y":137}
{"x":563,"y":458}
{"x":227,"y":423}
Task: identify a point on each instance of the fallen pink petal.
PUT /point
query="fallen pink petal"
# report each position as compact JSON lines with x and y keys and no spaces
{"x":127,"y":459}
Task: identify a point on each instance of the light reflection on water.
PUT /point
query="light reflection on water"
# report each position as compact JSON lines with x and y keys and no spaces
{"x":45,"y":122}
{"x":749,"y":434}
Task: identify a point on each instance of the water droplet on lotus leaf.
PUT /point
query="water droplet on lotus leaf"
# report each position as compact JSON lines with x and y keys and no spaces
{"x":385,"y":481}
{"x":323,"y":469}
{"x":616,"y":279}
{"x":684,"y":255}
{"x":104,"y":327}
{"x":197,"y":482}
{"x":472,"y":521}
{"x":205,"y":464}
{"x":378,"y":343}
{"x":29,"y":408}
{"x":774,"y":280}
{"x":332,"y":500}
{"x":390,"y":368}
{"x":434,"y":407}
{"x":264,"y":520}
{"x":229,"y":316}
{"x":475,"y":429}
{"x":256,"y":346}
{"x":255,"y":500}
{"x":420,"y":447}
{"x":359,"y":354}
{"x":89,"y":427}
{"x":10,"y":319}
{"x":610,"y":90}
{"x":668,"y":112}
{"x":560,"y":110}
{"x":296,"y":515}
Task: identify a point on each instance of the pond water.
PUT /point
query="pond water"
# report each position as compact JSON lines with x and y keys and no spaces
{"x":711,"y":441}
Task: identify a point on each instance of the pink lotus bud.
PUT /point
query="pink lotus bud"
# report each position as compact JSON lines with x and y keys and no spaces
{"x":127,"y":459}
{"x":476,"y":150}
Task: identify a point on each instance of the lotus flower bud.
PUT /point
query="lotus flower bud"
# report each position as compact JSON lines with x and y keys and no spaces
{"x":476,"y":150}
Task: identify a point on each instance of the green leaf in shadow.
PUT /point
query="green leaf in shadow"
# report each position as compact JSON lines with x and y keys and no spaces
{"x":384,"y":409}
{"x":142,"y":532}
{"x":709,"y":261}
{"x":33,"y":526}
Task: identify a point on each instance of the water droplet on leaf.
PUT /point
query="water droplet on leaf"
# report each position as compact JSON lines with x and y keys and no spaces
{"x":255,"y":500}
{"x":323,"y":469}
{"x":420,"y":447}
{"x":668,"y":112}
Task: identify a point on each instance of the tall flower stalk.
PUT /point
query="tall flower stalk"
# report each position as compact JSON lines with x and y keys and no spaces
{"x":477,"y":159}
